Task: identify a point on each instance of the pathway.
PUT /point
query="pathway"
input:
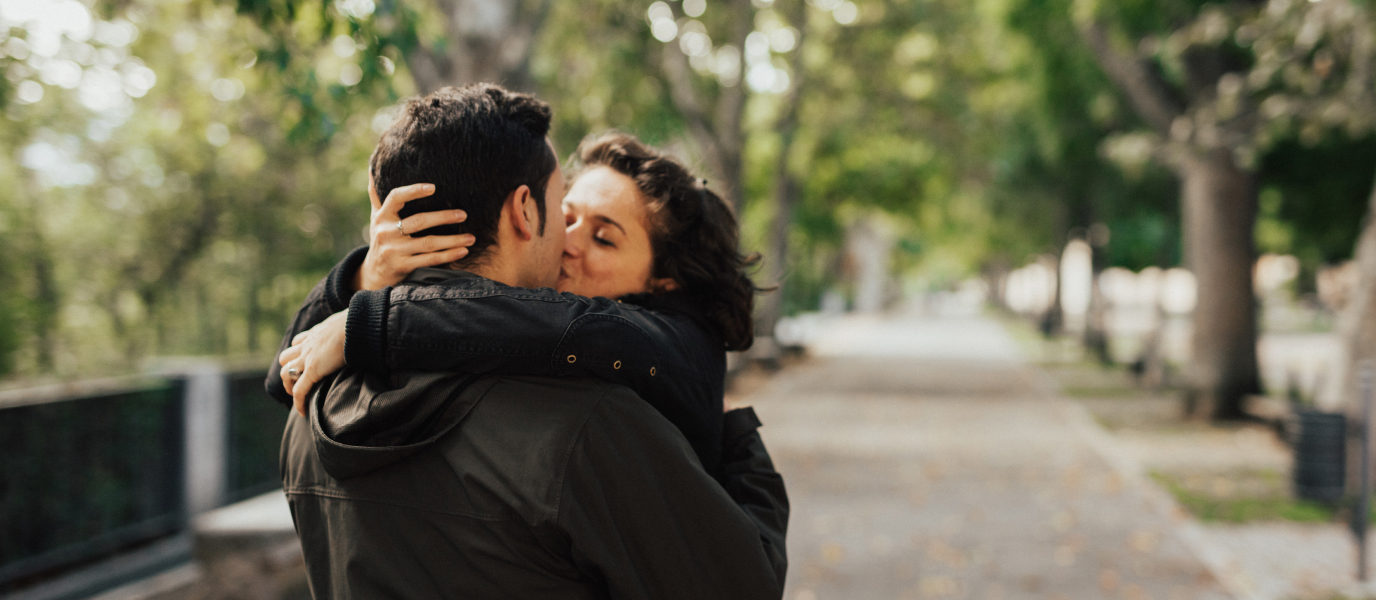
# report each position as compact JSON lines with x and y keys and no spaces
{"x":925,"y":460}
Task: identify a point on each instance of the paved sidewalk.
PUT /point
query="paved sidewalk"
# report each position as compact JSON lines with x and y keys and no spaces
{"x":924,"y":460}
{"x":1298,"y":561}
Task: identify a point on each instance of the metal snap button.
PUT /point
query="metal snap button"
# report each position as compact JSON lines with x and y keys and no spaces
{"x":572,"y":359}
{"x":616,"y":365}
{"x":652,"y":371}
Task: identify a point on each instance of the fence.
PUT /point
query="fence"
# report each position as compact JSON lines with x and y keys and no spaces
{"x":91,"y":469}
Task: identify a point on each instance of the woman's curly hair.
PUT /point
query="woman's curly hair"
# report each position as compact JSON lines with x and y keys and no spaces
{"x":693,"y":234}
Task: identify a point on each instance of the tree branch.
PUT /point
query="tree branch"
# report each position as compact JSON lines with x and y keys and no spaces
{"x":731,"y":110}
{"x":685,"y":98}
{"x":519,"y":74}
{"x":1150,"y":96}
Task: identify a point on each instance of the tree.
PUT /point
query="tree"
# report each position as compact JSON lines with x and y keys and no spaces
{"x":787,"y":184}
{"x":447,"y":42}
{"x":1315,"y":75}
{"x":716,"y":133}
{"x":1184,"y":83}
{"x":170,"y":196}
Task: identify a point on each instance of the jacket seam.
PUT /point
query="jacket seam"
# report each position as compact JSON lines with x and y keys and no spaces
{"x":469,"y":349}
{"x":450,"y":292}
{"x":326,"y":493}
{"x":568,"y":457}
{"x":565,"y":340}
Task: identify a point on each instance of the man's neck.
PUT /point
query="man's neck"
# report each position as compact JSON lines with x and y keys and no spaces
{"x":493,"y":268}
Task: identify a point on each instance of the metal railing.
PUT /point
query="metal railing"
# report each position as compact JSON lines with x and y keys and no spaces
{"x":255,"y":437}
{"x":90,"y":469}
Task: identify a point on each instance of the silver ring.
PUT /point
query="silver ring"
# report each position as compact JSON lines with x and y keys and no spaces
{"x":293,"y":372}
{"x":403,"y":231}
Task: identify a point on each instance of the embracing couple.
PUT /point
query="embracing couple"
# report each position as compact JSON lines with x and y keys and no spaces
{"x":492,"y":404}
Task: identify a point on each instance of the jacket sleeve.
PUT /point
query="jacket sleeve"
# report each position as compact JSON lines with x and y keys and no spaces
{"x":643,"y":518}
{"x":751,"y":481}
{"x":328,"y":297}
{"x":534,"y":332}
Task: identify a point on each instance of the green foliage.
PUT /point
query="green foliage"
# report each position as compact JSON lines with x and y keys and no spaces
{"x":202,"y":212}
{"x":979,"y":134}
{"x":1319,"y":193}
{"x":593,"y":66}
{"x":1245,"y":508}
{"x":1055,"y":171}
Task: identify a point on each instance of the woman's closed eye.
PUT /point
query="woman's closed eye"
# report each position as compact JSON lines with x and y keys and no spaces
{"x":603,"y":241}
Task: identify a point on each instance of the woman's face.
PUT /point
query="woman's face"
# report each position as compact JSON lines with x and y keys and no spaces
{"x":607,"y":250}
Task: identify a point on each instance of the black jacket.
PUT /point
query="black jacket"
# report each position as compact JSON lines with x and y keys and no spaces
{"x":662,"y":347}
{"x":476,"y":500}
{"x":425,"y":485}
{"x":440,"y":485}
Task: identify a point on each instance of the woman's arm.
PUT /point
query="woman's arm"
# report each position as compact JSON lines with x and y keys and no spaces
{"x":475,"y":324}
{"x":328,"y":297}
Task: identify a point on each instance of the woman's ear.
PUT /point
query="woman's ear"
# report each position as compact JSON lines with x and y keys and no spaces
{"x":662,"y":285}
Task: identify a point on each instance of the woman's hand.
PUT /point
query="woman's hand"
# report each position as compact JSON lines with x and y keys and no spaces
{"x":393,"y":253}
{"x":313,"y":354}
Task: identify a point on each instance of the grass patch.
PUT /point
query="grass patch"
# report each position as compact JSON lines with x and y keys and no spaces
{"x":1105,"y":392}
{"x":1221,"y":504}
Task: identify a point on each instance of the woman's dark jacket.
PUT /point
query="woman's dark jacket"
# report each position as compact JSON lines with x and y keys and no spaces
{"x":661,"y":346}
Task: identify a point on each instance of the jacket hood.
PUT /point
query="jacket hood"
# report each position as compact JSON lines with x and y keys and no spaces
{"x":361,"y":422}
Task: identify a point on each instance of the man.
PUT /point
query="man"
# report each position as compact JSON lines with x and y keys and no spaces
{"x":423,"y":485}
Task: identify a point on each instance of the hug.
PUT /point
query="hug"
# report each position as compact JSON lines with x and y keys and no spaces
{"x":494,"y":404}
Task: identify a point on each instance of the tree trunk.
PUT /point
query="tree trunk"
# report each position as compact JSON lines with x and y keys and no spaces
{"x":1358,"y":323}
{"x":785,"y":198}
{"x":731,"y":107}
{"x":1096,"y":326}
{"x":255,"y":313}
{"x":786,"y":187}
{"x":1219,"y":202}
{"x":679,"y":76}
{"x":488,"y":41}
{"x":1218,"y":211}
{"x":46,"y":303}
{"x":46,"y":300}
{"x":718,"y":136}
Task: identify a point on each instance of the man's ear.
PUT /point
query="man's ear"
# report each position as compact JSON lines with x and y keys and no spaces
{"x":521,"y":213}
{"x":372,"y":193}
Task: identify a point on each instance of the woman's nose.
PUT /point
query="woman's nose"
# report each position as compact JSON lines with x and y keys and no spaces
{"x":574,"y":236}
{"x":572,"y":242}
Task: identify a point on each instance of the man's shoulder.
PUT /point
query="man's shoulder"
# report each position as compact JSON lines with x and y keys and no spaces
{"x":572,"y":396}
{"x":564,"y":409}
{"x":591,"y":418}
{"x":563,"y":395}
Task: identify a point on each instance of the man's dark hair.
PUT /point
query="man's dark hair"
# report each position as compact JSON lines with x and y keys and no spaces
{"x":477,"y":144}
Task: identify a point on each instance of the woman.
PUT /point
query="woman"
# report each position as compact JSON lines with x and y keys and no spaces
{"x":640,"y":229}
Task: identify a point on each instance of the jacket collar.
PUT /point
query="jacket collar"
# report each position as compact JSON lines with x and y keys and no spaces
{"x":434,"y":275}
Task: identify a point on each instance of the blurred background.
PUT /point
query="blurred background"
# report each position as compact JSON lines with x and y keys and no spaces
{"x":1150,"y":218}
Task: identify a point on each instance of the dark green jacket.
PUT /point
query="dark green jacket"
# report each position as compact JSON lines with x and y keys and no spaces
{"x":432,"y":485}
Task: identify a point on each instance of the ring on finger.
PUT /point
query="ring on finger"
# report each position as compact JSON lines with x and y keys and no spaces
{"x":293,"y":371}
{"x":399,"y":228}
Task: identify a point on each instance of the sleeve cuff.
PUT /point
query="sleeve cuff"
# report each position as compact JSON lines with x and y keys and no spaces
{"x":735,"y":424}
{"x":365,"y":331}
{"x":339,"y":286}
